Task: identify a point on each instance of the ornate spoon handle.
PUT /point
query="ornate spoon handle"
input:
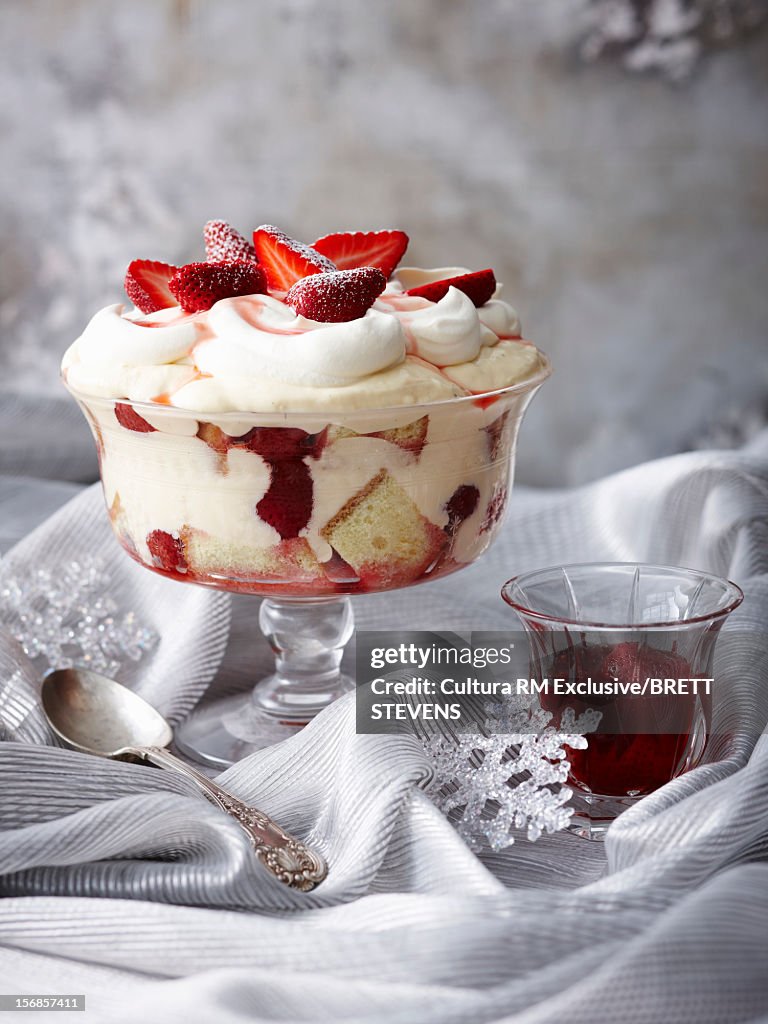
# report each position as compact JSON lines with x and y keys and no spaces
{"x":287,"y":858}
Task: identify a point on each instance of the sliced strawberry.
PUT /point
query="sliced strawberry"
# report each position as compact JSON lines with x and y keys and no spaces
{"x":495,"y":510}
{"x":223,"y":242}
{"x":287,"y":505}
{"x":479,"y":286}
{"x":146,"y":284}
{"x":335,"y":298}
{"x":460,"y":506}
{"x":198,"y":285}
{"x":275,"y":443}
{"x":127,"y":417}
{"x":495,"y":432}
{"x":316,"y":444}
{"x":285,"y":260}
{"x":167,"y":551}
{"x":352,"y":249}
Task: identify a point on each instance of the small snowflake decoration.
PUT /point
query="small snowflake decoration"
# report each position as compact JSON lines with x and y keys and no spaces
{"x":667,"y":36}
{"x":490,"y":785}
{"x":66,"y":618}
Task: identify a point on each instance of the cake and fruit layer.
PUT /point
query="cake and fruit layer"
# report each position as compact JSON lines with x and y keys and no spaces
{"x":317,"y":505}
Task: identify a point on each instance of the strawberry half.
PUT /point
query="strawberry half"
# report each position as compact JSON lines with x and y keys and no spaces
{"x":146,"y":284}
{"x":352,"y":249}
{"x":198,"y":285}
{"x":631,"y":662}
{"x":223,"y":242}
{"x":285,"y":260}
{"x":127,"y":417}
{"x":287,"y":505}
{"x":479,"y":286}
{"x":460,"y":506}
{"x":335,"y":298}
{"x":495,"y":509}
{"x":277,"y":443}
{"x":167,"y":551}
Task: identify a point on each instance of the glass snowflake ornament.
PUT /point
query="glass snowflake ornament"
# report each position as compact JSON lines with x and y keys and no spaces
{"x":68,"y":619}
{"x":667,"y":37}
{"x":490,"y":784}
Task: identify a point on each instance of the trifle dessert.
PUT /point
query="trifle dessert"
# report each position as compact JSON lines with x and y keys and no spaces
{"x":302,"y":422}
{"x":305,"y":420}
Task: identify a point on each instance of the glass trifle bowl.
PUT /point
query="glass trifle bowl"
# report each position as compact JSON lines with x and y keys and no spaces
{"x":303,"y":510}
{"x":381,"y":458}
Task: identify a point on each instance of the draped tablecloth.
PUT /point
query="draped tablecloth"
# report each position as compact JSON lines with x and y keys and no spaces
{"x":121,"y":882}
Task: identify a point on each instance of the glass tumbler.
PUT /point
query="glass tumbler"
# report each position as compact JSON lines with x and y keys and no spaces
{"x":631,"y":645}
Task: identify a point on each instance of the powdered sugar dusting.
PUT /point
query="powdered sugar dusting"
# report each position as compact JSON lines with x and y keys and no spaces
{"x":284,"y":259}
{"x":337,"y":297}
{"x":223,"y":242}
{"x":299,"y":248}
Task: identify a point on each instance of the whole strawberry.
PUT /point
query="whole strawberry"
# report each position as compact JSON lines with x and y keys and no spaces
{"x":337,"y":297}
{"x":198,"y":285}
{"x":167,"y":551}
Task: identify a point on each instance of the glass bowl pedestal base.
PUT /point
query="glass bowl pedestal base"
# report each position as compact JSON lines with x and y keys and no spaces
{"x":308,"y":638}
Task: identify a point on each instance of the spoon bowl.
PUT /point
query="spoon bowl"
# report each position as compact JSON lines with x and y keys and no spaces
{"x":97,"y":715}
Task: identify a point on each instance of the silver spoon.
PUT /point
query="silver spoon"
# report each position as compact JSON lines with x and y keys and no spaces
{"x":97,"y":715}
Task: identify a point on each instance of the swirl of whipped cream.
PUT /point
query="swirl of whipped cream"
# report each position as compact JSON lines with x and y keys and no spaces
{"x":259,"y":336}
{"x":447,"y":332}
{"x":111,"y":339}
{"x":501,"y":318}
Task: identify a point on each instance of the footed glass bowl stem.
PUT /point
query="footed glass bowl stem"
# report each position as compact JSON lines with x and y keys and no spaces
{"x":308,"y":638}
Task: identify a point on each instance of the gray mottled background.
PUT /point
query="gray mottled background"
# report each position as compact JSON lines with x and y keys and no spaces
{"x":627,"y":218}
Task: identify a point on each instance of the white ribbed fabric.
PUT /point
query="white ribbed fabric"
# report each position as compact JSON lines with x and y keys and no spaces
{"x":192,"y":624}
{"x":122,"y":883}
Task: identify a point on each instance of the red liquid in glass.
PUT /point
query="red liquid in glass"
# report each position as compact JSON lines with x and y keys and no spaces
{"x":641,"y":741}
{"x":628,"y":765}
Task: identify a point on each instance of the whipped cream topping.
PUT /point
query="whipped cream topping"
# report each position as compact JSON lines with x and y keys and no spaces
{"x":446,"y":332}
{"x":111,"y":339}
{"x":255,"y":353}
{"x":249,"y":338}
{"x":500,"y":318}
